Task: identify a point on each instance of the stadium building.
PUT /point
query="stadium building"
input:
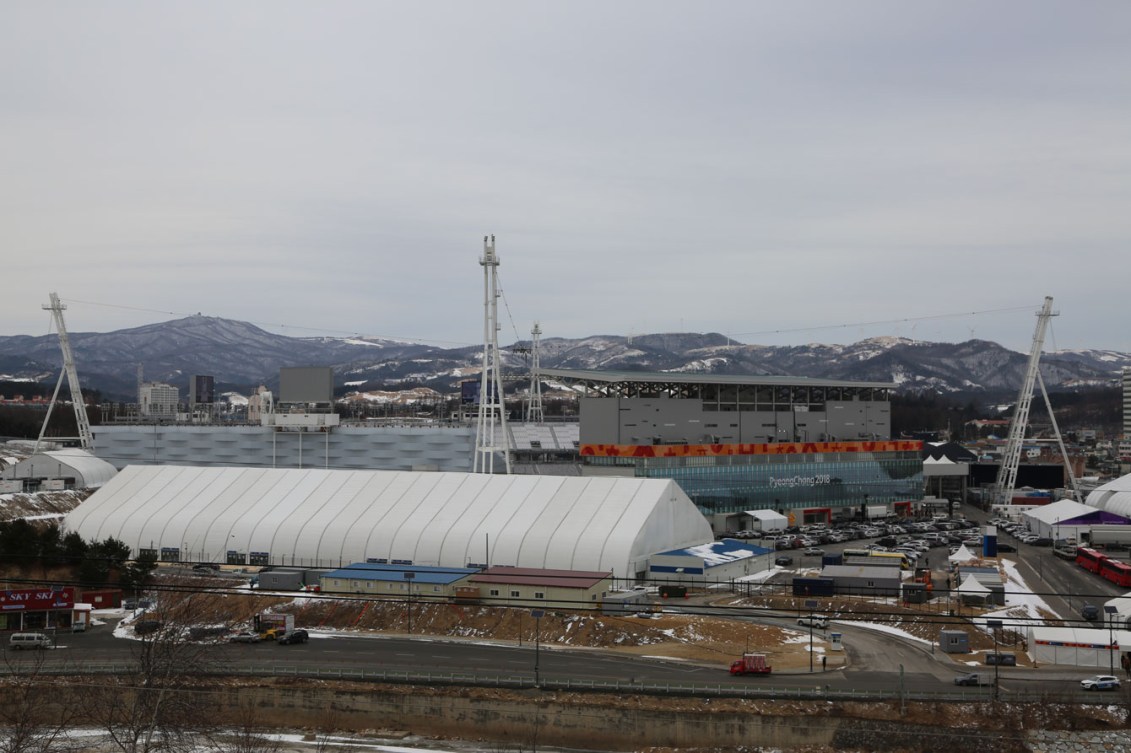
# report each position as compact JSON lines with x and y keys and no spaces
{"x":815,"y":450}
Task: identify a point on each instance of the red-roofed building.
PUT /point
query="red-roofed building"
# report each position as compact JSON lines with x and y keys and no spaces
{"x":535,"y":587}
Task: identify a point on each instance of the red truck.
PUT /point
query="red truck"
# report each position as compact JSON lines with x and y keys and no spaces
{"x":751,"y":664}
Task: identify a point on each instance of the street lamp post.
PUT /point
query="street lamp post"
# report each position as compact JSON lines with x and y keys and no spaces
{"x":537,"y":615}
{"x":409,"y":576}
{"x":995,"y":625}
{"x":811,"y":604}
{"x":1110,"y":612}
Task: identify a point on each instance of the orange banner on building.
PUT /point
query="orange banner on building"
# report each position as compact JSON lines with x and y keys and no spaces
{"x":776,"y":448}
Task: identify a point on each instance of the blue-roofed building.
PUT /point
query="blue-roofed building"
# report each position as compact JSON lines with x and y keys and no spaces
{"x":713,"y":562}
{"x":396,"y":579}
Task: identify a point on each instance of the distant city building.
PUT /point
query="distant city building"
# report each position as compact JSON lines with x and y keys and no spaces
{"x":157,"y":399}
{"x":202,"y":390}
{"x":1127,"y":404}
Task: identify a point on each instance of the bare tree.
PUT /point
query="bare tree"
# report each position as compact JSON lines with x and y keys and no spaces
{"x":156,"y":707}
{"x":248,"y":734}
{"x":35,"y":713}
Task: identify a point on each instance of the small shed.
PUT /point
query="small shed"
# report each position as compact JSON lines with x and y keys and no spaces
{"x":954,"y":642}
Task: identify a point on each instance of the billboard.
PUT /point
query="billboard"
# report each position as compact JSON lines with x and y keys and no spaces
{"x":306,"y":384}
{"x":37,"y":599}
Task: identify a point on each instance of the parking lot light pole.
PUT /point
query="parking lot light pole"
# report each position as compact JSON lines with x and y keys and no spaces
{"x":811,"y":604}
{"x":995,"y":625}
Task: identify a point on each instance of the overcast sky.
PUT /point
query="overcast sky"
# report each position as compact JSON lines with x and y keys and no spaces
{"x":783,"y":172}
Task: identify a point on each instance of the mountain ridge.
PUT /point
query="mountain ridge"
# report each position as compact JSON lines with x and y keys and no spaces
{"x":241,"y":355}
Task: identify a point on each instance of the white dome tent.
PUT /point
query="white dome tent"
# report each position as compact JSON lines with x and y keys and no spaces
{"x":1113,"y":497}
{"x":325,"y":518}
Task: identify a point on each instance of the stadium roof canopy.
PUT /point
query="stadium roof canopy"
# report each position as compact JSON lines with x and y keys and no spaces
{"x":603,"y":380}
{"x":327,"y":518}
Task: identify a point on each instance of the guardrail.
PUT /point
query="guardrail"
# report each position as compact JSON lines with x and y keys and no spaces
{"x":520,"y":682}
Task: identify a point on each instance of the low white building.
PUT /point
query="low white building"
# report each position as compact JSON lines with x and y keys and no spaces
{"x":710,"y":563}
{"x":1094,"y":648}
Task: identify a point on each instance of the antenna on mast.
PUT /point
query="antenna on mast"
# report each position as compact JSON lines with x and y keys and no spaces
{"x":534,"y":413}
{"x":491,"y":431}
{"x":85,"y":438}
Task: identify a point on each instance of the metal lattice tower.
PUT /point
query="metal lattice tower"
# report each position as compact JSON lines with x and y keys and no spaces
{"x":491,"y":431}
{"x":534,"y":412}
{"x":1011,"y":459}
{"x":85,"y":438}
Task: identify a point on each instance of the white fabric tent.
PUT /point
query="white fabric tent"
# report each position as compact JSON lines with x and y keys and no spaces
{"x":88,"y":471}
{"x":1114,"y":496}
{"x":326,"y":518}
{"x":769,"y":520}
{"x":962,"y":555}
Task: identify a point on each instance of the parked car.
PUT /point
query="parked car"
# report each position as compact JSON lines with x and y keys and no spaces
{"x":293,"y":636}
{"x":783,"y":560}
{"x":146,"y":627}
{"x":1100,"y":682}
{"x":816,"y":620}
{"x":1006,"y":548}
{"x":973,"y":678}
{"x":814,"y":552}
{"x":1090,"y":612}
{"x":1003,"y":660}
{"x":244,"y":636}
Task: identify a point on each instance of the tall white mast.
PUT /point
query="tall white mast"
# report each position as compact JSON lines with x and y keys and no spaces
{"x":86,"y":439}
{"x":1011,"y":459}
{"x":491,"y":431}
{"x":534,"y":412}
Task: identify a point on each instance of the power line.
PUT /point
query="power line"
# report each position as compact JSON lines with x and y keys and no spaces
{"x":905,"y":320}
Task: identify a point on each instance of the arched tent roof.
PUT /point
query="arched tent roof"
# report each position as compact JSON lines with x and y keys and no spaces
{"x":90,"y":472}
{"x":1114,"y":497}
{"x":324,"y":518}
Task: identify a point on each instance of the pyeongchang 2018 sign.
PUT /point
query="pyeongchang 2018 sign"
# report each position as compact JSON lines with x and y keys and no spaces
{"x":37,"y":599}
{"x":793,"y":482}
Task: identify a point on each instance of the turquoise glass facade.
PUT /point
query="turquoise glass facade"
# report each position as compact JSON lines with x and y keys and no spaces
{"x":844,"y":483}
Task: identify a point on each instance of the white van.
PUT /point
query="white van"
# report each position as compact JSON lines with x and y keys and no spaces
{"x":29,"y":640}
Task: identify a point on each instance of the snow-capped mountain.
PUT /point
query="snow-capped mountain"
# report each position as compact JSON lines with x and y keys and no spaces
{"x":240,"y":355}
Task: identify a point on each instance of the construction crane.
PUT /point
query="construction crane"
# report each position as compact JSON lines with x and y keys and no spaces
{"x":1011,"y":459}
{"x":85,"y":438}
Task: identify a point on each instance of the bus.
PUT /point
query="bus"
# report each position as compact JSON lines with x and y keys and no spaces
{"x":1118,"y":573}
{"x":895,"y":558}
{"x":1090,"y":559}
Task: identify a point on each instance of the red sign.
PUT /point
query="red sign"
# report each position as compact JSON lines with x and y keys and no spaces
{"x":37,"y":599}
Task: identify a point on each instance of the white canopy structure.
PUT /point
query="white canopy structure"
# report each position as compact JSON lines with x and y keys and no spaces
{"x":972,"y":587}
{"x":769,"y":520}
{"x":323,"y":518}
{"x":962,"y":555}
{"x":1055,"y":520}
{"x":1114,"y":497}
{"x":70,"y":464}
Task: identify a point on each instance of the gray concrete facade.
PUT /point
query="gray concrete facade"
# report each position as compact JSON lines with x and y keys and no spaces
{"x":393,"y":448}
{"x":664,"y":420}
